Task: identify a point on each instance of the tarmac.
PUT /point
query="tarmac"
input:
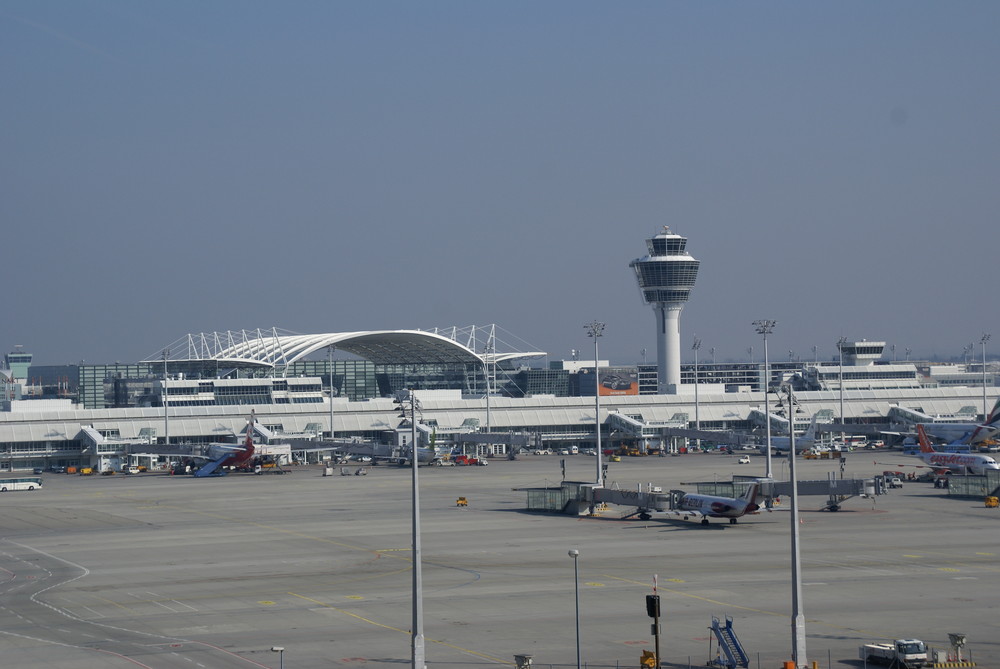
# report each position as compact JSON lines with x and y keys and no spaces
{"x":162,"y":571}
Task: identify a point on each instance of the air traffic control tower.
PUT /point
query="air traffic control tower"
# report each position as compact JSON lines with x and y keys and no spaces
{"x":666,"y":277}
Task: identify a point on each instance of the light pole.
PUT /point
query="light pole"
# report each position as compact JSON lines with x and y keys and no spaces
{"x":330,"y":350}
{"x":765,"y":328}
{"x":280,"y":650}
{"x":490,"y":371}
{"x":166,"y":402}
{"x":595,"y":329}
{"x":798,"y":616}
{"x":417,"y":626}
{"x":575,"y":554}
{"x":697,"y":417}
{"x":985,"y":338}
{"x":843,"y":421}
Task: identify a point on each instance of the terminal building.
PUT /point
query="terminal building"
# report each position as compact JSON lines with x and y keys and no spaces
{"x":296,"y":388}
{"x":476,"y":391}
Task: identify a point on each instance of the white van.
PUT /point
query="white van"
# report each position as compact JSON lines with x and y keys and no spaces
{"x":574,"y":450}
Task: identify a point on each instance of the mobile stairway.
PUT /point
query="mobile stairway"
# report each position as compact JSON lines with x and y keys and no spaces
{"x":729,"y":645}
{"x":211,"y":468}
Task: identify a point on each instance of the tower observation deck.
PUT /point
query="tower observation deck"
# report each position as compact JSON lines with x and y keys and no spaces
{"x":666,"y":277}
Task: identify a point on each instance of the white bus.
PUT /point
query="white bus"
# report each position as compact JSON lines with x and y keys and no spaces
{"x":21,"y":483}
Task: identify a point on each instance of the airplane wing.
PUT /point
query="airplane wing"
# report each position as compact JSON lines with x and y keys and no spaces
{"x":171,"y":454}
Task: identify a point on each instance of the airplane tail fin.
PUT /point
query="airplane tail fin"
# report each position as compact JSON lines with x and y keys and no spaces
{"x":250,"y":423}
{"x":994,"y":416}
{"x":925,"y":443}
{"x":750,"y":496}
{"x":248,"y":447}
{"x":810,"y":434}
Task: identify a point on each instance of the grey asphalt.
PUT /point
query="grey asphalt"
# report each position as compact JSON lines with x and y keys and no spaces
{"x":162,"y":572}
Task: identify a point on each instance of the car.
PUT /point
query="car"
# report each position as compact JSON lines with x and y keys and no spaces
{"x":615,"y":382}
{"x":745,"y":460}
{"x":37,"y":470}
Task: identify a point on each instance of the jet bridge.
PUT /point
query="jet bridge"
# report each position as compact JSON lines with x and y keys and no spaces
{"x":653,"y":433}
{"x":836,"y":490}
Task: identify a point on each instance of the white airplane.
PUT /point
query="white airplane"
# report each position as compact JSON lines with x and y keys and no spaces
{"x":967,"y":433}
{"x":710,"y":506}
{"x":803,"y":443}
{"x":957,"y":462}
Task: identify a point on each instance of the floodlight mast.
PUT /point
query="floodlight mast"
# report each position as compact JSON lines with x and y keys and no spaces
{"x":697,"y":416}
{"x":985,"y":338}
{"x":595,"y":329}
{"x":798,"y":621}
{"x":766,"y":327}
{"x":409,"y":406}
{"x":840,"y":348}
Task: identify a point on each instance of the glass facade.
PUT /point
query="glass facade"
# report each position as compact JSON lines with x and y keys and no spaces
{"x":353,"y":379}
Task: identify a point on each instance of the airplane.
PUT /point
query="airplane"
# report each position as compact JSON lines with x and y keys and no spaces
{"x":710,"y":506}
{"x":803,"y":443}
{"x":220,"y":456}
{"x":956,"y":462}
{"x":966,"y":433}
{"x":216,"y":457}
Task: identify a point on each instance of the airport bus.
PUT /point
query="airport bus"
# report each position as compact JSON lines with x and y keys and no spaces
{"x":20,"y":483}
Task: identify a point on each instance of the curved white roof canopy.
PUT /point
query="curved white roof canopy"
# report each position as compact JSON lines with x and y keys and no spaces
{"x":381,"y":347}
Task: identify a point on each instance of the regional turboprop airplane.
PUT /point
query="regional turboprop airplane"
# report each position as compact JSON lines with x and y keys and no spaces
{"x":710,"y":506}
{"x":957,"y":462}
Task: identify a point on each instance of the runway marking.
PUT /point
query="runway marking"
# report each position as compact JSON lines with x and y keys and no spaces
{"x":355,"y":597}
{"x":594,"y":584}
{"x":69,"y":645}
{"x":266,"y":603}
{"x":989,"y":554}
{"x":698,"y":597}
{"x":948,"y":569}
{"x":913,"y":556}
{"x":396,"y":629}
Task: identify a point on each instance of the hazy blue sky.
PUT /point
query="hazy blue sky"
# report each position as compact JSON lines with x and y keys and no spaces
{"x":184,"y":166}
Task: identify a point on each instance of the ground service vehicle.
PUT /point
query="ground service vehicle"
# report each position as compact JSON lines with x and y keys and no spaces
{"x":20,"y":483}
{"x":469,"y":460}
{"x":906,"y":653}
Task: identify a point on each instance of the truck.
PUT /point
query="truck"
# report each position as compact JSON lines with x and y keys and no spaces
{"x":469,"y":460}
{"x":905,"y":653}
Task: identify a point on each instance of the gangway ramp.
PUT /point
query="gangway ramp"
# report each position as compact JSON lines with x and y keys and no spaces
{"x":735,"y":656}
{"x":211,"y":468}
